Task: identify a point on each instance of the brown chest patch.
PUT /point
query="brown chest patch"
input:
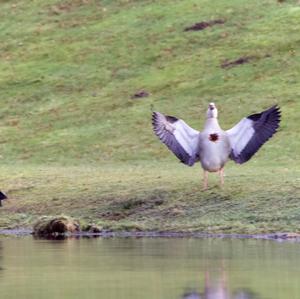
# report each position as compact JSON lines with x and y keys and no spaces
{"x":213,"y":137}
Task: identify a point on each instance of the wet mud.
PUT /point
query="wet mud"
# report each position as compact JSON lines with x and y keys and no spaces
{"x":155,"y":234}
{"x":203,"y":25}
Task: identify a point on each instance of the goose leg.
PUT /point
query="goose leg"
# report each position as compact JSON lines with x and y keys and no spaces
{"x":221,"y":174}
{"x":205,"y":179}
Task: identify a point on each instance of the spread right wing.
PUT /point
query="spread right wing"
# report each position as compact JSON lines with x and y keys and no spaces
{"x":252,"y":132}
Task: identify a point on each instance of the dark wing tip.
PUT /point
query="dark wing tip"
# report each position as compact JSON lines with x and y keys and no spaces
{"x":168,"y":118}
{"x":274,"y":110}
{"x":154,"y":115}
{"x":2,"y":196}
{"x":154,"y":118}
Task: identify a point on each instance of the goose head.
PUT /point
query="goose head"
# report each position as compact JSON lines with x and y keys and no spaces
{"x":212,"y":111}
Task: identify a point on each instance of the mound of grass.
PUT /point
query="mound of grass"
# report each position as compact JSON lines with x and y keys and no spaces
{"x":47,"y":226}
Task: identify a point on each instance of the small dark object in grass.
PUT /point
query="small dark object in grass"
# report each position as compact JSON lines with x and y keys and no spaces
{"x":241,"y":60}
{"x":2,"y":197}
{"x":158,"y":201}
{"x":92,"y":228}
{"x":203,"y":25}
{"x":140,"y":94}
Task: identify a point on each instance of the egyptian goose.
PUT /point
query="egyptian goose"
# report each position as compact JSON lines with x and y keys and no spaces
{"x":213,"y":146}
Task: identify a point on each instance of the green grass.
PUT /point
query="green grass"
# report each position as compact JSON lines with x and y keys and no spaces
{"x":155,"y":196}
{"x":73,"y":140}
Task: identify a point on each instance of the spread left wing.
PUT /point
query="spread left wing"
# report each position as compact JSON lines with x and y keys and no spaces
{"x":252,"y":132}
{"x":180,"y":138}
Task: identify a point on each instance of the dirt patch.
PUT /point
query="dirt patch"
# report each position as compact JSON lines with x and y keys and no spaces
{"x":227,"y":64}
{"x":176,"y":211}
{"x":232,"y":63}
{"x":140,"y":94}
{"x":203,"y":25}
{"x":67,"y":6}
{"x":123,"y":209}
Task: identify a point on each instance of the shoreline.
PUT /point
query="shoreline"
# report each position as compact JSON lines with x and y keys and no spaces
{"x":155,"y":234}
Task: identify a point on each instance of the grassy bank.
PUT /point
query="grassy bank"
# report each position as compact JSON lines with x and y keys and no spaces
{"x":153,"y":196}
{"x":75,"y":141}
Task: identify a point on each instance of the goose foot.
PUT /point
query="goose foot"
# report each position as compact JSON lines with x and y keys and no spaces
{"x":221,"y":174}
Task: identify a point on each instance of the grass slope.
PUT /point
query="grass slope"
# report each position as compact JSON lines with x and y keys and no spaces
{"x":74,"y":141}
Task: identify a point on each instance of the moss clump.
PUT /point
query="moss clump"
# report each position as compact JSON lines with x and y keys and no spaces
{"x":55,"y":225}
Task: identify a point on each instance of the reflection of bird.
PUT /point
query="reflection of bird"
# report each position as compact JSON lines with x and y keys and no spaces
{"x":213,"y":146}
{"x":218,"y":290}
{"x":192,"y":295}
{"x":240,"y":295}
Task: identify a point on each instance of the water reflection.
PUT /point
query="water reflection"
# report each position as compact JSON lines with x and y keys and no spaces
{"x":218,"y":289}
{"x":119,"y":268}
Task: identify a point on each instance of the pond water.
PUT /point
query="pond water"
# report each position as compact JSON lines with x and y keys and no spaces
{"x":144,"y":268}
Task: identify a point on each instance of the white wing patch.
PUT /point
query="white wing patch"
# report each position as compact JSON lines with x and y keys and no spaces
{"x":187,"y":137}
{"x":240,"y":135}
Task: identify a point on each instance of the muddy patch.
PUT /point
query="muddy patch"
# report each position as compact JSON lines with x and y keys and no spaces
{"x":293,"y":237}
{"x":123,"y":209}
{"x":19,"y":232}
{"x":140,"y":94}
{"x":227,"y":64}
{"x":203,"y":25}
{"x":67,"y":6}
